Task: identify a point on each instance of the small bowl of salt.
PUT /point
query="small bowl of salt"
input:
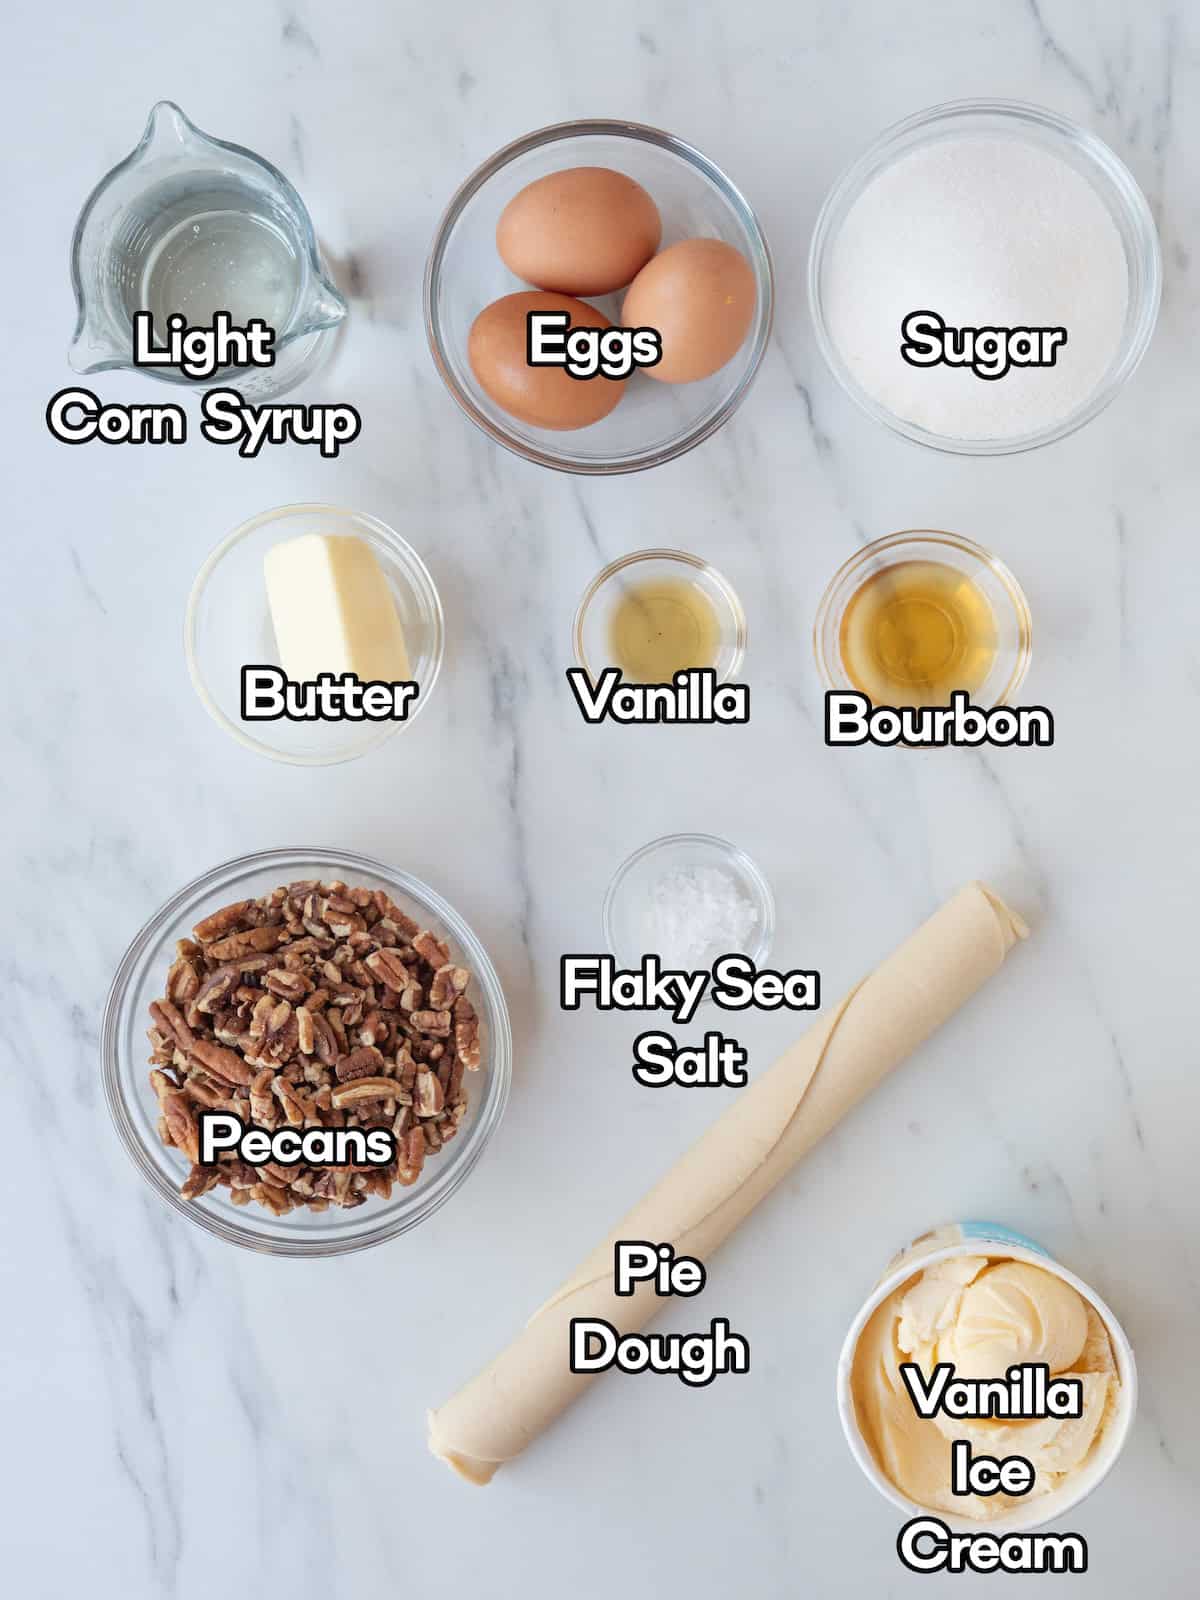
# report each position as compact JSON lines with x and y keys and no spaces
{"x":688,"y":898}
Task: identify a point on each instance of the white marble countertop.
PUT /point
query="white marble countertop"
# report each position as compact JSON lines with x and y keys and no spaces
{"x":185,"y":1420}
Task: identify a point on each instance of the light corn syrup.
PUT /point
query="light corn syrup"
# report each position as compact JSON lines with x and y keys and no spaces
{"x":226,"y":260}
{"x":986,"y":232}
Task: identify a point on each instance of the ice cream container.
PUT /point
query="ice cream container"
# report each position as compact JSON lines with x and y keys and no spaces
{"x":990,"y":1239}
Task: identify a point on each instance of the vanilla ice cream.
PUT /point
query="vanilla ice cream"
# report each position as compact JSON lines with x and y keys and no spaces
{"x":984,"y":1315}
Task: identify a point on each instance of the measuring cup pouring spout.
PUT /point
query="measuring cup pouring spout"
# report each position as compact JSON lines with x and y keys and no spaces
{"x":194,"y":224}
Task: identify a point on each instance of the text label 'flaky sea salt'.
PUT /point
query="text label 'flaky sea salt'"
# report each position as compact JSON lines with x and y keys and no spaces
{"x":736,"y":985}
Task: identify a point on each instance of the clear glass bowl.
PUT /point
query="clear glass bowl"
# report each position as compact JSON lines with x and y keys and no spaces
{"x":125,"y":1059}
{"x":228,"y":626}
{"x":176,"y":171}
{"x":628,"y":899}
{"x":1014,"y":625}
{"x":654,"y":422}
{"x":590,"y":634}
{"x":1088,"y":155}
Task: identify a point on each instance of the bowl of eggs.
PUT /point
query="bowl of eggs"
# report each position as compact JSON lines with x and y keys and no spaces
{"x":615,"y":228}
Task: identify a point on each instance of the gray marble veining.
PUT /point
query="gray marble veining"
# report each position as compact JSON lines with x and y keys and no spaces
{"x":182,"y":1419}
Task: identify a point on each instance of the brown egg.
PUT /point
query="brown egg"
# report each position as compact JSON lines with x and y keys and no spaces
{"x":546,"y":397}
{"x":700,"y":294}
{"x":587,"y":230}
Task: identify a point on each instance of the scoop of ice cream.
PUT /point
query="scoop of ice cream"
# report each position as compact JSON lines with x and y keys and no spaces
{"x":1015,"y":1312}
{"x":984,"y":1316}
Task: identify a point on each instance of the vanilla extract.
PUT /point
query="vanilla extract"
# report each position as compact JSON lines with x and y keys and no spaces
{"x":694,"y":696}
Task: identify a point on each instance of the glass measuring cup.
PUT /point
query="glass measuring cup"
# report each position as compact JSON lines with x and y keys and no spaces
{"x":192,"y":224}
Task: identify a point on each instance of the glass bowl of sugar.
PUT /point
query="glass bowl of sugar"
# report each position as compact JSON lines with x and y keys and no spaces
{"x":998,"y":226}
{"x":688,"y":899}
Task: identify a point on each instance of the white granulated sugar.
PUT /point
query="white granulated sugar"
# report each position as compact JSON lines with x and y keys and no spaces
{"x":987,"y":232}
{"x":696,"y":914}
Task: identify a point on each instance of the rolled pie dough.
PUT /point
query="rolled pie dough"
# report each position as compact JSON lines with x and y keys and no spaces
{"x":741,"y":1158}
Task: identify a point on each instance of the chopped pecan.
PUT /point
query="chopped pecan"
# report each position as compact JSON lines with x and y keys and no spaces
{"x":431,"y":949}
{"x":340,"y":902}
{"x":436,"y":1024}
{"x":375,"y":1028}
{"x":260,"y":1016}
{"x":205,"y":1092}
{"x":448,"y":983}
{"x":182,"y":1124}
{"x":219,"y":1061}
{"x":214,"y":989}
{"x":171,"y":1024}
{"x":272,"y":1171}
{"x":343,"y":923}
{"x":248,"y":943}
{"x":365,"y":1062}
{"x":262,"y":1104}
{"x":428,"y":1098}
{"x":182,"y":981}
{"x":410,"y":1153}
{"x":293,"y":1107}
{"x":199,"y":1181}
{"x":358,"y":1089}
{"x":388,"y":968}
{"x":228,"y":917}
{"x":466,"y":1044}
{"x":388,"y":909}
{"x":291,"y":986}
{"x":274,"y":1197}
{"x":326,"y":1043}
{"x":281,"y":1015}
{"x":337,"y":1027}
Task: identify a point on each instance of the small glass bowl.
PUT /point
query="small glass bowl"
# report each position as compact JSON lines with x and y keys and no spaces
{"x":228,"y":626}
{"x":628,"y":896}
{"x":654,"y":422}
{"x":125,"y":1059}
{"x":1088,"y":155}
{"x":590,"y":633}
{"x":1014,"y":625}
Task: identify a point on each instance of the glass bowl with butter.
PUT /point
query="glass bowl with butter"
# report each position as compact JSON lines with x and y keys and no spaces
{"x":310,"y":589}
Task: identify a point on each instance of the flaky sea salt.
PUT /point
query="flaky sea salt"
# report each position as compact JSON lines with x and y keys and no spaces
{"x":986,"y":232}
{"x":695,"y":914}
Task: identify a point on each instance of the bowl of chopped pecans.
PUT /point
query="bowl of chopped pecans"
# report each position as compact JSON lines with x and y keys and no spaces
{"x":306,"y":1052}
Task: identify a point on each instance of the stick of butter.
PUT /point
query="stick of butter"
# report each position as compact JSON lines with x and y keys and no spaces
{"x":333,"y":611}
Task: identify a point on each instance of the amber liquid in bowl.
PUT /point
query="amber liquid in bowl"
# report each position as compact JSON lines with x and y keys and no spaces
{"x":914,"y":632}
{"x":662,"y":627}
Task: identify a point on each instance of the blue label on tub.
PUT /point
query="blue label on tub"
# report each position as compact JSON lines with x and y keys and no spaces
{"x":1001,"y":1235}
